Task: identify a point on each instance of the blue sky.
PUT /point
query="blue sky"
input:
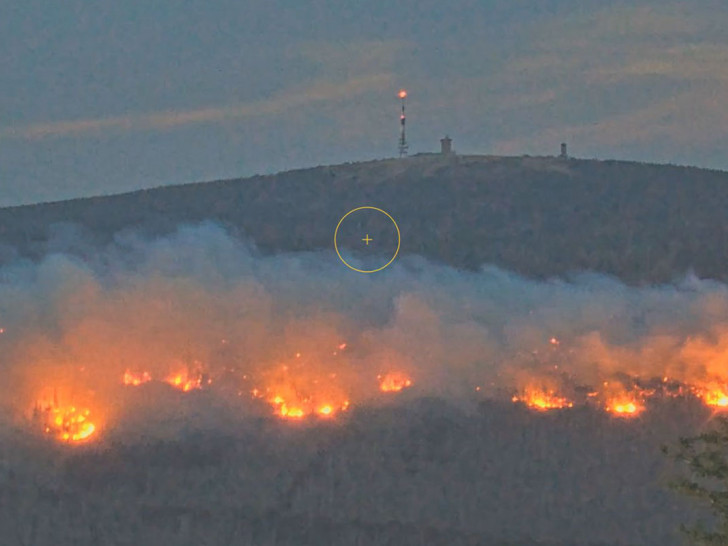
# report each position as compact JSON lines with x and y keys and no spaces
{"x":107,"y":97}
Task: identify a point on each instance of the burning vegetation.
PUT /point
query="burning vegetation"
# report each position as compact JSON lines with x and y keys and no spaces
{"x":286,"y":335}
{"x":317,"y":386}
{"x":625,"y":397}
{"x":296,"y":397}
{"x":306,"y":386}
{"x":715,"y":397}
{"x":132,"y":379}
{"x":394,"y":382}
{"x":182,"y":379}
{"x":68,"y":424}
{"x":542,"y":400}
{"x":624,"y":407}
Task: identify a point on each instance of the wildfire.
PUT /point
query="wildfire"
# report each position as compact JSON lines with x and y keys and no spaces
{"x":307,"y":383}
{"x":290,"y":413}
{"x":394,"y":382}
{"x":300,"y":408}
{"x":183,"y":381}
{"x":624,"y":407}
{"x":716,"y":398}
{"x":66,"y":424}
{"x":543,"y":400}
{"x":133,"y":379}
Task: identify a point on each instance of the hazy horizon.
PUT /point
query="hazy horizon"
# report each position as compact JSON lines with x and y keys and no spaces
{"x":130,"y":96}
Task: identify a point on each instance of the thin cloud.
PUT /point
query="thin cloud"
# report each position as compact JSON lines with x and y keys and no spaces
{"x":690,"y":119}
{"x":700,"y":63}
{"x":356,"y":57}
{"x":322,"y":91}
{"x":677,"y":87}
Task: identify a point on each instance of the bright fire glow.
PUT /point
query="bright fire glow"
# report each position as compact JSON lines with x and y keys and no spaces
{"x":624,"y":407}
{"x":135,"y":379}
{"x":716,"y":398}
{"x":290,"y":413}
{"x":66,"y":424}
{"x":304,"y":384}
{"x":300,"y":408}
{"x":394,"y":382}
{"x":183,"y":381}
{"x":402,"y":94}
{"x":543,"y":400}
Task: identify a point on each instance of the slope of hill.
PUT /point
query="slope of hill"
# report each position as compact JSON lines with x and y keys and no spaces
{"x":426,"y":473}
{"x":538,"y":216}
{"x":423,"y":470}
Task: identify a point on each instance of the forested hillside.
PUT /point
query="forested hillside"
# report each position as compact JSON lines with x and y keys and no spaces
{"x":424,"y":473}
{"x":537,"y":216}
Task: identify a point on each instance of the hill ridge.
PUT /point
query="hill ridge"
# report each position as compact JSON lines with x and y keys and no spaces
{"x":417,"y":156}
{"x":539,"y":216}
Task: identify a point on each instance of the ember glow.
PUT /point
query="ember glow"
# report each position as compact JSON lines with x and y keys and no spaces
{"x":66,"y":424}
{"x":133,"y":379}
{"x":181,"y":380}
{"x":543,"y":400}
{"x":624,"y":407}
{"x":290,"y":412}
{"x":296,"y":338}
{"x":394,"y":382}
{"x":716,"y":397}
{"x":308,"y":381}
{"x":184,"y":381}
{"x":295,"y":397}
{"x":292,"y":405}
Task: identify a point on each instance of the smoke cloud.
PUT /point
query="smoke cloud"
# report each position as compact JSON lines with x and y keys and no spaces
{"x":245,"y":328}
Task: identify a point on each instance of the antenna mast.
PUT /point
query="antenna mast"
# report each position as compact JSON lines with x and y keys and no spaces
{"x":403,"y":146}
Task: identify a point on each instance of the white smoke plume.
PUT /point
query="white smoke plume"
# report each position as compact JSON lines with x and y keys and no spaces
{"x":246,"y":327}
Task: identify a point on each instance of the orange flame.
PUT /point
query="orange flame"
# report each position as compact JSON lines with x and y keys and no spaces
{"x":304,"y":385}
{"x":714,"y":397}
{"x":66,"y":424}
{"x":300,"y":408}
{"x":624,"y":407}
{"x":543,"y":400}
{"x":135,"y":379}
{"x":290,"y":413}
{"x":183,"y":381}
{"x":394,"y":382}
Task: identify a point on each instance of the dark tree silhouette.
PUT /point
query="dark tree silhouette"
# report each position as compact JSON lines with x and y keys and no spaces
{"x":706,"y":458}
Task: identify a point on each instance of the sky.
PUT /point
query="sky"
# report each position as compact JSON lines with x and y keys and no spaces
{"x":107,"y":97}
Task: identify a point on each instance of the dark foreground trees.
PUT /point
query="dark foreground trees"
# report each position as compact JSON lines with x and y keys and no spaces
{"x":706,"y":458}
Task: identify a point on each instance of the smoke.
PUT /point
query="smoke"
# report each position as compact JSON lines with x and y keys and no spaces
{"x":245,"y":328}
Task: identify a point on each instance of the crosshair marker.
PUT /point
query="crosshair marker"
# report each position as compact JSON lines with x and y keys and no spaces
{"x":336,"y":245}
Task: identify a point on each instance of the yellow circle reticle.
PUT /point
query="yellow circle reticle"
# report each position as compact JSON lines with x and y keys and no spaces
{"x":336,"y":246}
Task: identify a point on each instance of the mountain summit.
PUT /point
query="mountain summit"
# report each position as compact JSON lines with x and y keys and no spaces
{"x":538,"y":216}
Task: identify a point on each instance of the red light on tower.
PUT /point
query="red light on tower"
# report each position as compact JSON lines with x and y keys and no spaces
{"x":402,"y":138}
